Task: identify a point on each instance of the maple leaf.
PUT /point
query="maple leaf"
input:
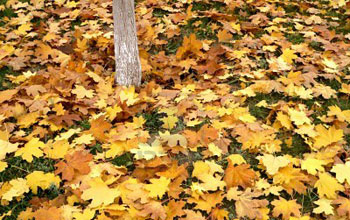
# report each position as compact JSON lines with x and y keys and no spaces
{"x":312,"y":165}
{"x":219,"y":214}
{"x":324,"y":206}
{"x":43,"y":180}
{"x":175,"y":208}
{"x":239,"y":175}
{"x":78,"y":162}
{"x":298,"y":117}
{"x":236,"y":159}
{"x":100,"y":193}
{"x":342,"y":172}
{"x":52,"y":213}
{"x":158,"y":187}
{"x":273,"y":163}
{"x":208,"y":201}
{"x":6,"y":148}
{"x":169,"y":122}
{"x":286,"y":208}
{"x":205,"y":171}
{"x":30,"y":149}
{"x":18,"y":188}
{"x":190,"y":44}
{"x":291,"y":179}
{"x":148,"y":152}
{"x":224,"y":36}
{"x":344,"y":206}
{"x":84,"y":139}
{"x":207,"y":134}
{"x":173,"y":139}
{"x":154,"y":210}
{"x":326,"y":137}
{"x":327,"y":186}
{"x":288,"y":55}
{"x":87,"y":214}
{"x":129,"y":95}
{"x":98,"y":128}
{"x":81,"y":92}
{"x":57,"y":149}
{"x":246,"y":203}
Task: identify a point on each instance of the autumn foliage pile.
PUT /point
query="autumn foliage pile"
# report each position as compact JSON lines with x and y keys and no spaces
{"x":244,"y":111}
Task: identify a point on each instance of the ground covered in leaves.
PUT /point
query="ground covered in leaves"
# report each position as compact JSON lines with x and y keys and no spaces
{"x":243,"y":112}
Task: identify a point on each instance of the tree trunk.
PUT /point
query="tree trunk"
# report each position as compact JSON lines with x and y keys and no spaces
{"x":127,"y":66}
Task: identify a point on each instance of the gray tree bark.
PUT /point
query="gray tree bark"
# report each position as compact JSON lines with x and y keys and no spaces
{"x":127,"y":66}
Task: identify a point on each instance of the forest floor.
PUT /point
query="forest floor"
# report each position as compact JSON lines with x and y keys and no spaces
{"x":243,"y":112}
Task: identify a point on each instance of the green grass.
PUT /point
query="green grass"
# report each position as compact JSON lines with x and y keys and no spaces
{"x":295,"y":38}
{"x":298,"y":148}
{"x":19,"y":168}
{"x":4,"y":82}
{"x":153,"y":123}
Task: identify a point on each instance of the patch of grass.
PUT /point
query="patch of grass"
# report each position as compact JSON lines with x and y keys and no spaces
{"x":158,"y":12}
{"x":85,"y":124}
{"x":295,"y":38}
{"x":172,"y":45}
{"x":261,"y":112}
{"x":19,"y":168}
{"x":124,"y":160}
{"x":76,"y":22}
{"x":203,"y":31}
{"x":205,"y":6}
{"x":4,"y":82}
{"x":153,"y":123}
{"x":318,"y":46}
{"x":298,"y":148}
{"x":16,"y":207}
{"x":291,"y":9}
{"x":97,"y":148}
{"x":307,"y":200}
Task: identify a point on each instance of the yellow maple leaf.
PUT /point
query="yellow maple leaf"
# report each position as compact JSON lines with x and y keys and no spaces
{"x":324,"y":206}
{"x":342,"y":172}
{"x":169,"y":122}
{"x":288,"y":55}
{"x":113,"y":111}
{"x":81,"y":92}
{"x":284,"y":120}
{"x":18,"y":188}
{"x":100,"y":193}
{"x":345,"y":88}
{"x":7,"y":147}
{"x":272,"y":163}
{"x":87,"y":214}
{"x":215,"y":150}
{"x":236,"y":159}
{"x":327,"y":186}
{"x":312,"y":165}
{"x":205,"y":172}
{"x":173,"y":139}
{"x":326,"y":136}
{"x":285,"y":208}
{"x":57,"y":149}
{"x":128,"y":94}
{"x":84,"y":139}
{"x":32,"y":148}
{"x":23,"y":29}
{"x":298,"y":117}
{"x":3,"y":166}
{"x":43,"y":180}
{"x":158,"y":187}
{"x":341,"y":115}
{"x":148,"y":152}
